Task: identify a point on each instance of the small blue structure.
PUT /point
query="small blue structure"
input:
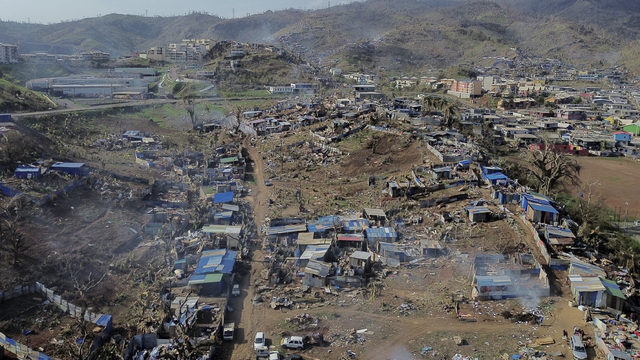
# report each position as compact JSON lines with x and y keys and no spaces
{"x":542,"y":213}
{"x":5,"y":118}
{"x":622,"y":136}
{"x":28,"y":172}
{"x":78,"y":169}
{"x":377,"y":235}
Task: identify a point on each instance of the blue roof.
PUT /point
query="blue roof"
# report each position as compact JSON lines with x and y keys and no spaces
{"x":328,"y":220}
{"x":385,"y":232}
{"x":28,"y":169}
{"x":543,"y":208}
{"x":324,"y":223}
{"x":465,"y":162}
{"x":533,"y":199}
{"x":214,"y":262}
{"x":104,"y":320}
{"x":496,"y":176}
{"x":223,"y":197}
{"x":67,"y":165}
{"x":314,"y":228}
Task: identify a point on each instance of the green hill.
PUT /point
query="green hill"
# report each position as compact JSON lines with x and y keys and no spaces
{"x":14,"y":98}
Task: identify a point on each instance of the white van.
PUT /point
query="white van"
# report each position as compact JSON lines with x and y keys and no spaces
{"x":259,"y":340}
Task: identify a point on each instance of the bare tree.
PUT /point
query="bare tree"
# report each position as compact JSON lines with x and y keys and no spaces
{"x":546,"y":167}
{"x":12,"y":241}
{"x":189,"y":103}
{"x":15,"y":148}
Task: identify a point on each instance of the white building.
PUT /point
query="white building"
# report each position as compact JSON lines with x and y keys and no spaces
{"x":8,"y":54}
{"x":280,"y":90}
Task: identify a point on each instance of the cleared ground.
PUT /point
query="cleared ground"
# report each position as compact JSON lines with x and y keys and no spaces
{"x":617,"y":182}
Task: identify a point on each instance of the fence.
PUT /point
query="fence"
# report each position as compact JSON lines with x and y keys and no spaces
{"x":9,"y":191}
{"x":536,"y":238}
{"x":23,"y":351}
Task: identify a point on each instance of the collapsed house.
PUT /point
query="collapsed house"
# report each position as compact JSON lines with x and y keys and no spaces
{"x":499,"y":277}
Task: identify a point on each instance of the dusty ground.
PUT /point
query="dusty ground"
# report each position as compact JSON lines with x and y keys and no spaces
{"x":410,"y":312}
{"x":616,"y":182}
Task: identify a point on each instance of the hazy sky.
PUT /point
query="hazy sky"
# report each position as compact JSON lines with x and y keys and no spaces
{"x":52,"y":11}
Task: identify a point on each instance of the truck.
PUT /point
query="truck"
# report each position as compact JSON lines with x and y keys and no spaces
{"x":227,"y":331}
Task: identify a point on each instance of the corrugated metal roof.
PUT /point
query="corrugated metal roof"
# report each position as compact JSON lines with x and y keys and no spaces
{"x":214,"y":262}
{"x":314,"y":252}
{"x":543,"y":208}
{"x":555,"y":231}
{"x":205,"y":279}
{"x":496,"y":176}
{"x":286,"y":229}
{"x":384,"y":232}
{"x":354,"y":225}
{"x":477,"y":209}
{"x":361,"y":255}
{"x":227,"y":160}
{"x":582,"y":268}
{"x":613,"y":288}
{"x":317,"y":268}
{"x":214,"y":229}
{"x":375,"y":212}
{"x":586,"y":284}
{"x":350,"y":238}
{"x":230,"y":207}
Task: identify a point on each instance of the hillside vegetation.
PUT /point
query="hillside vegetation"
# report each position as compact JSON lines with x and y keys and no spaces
{"x":401,"y":34}
{"x":14,"y":98}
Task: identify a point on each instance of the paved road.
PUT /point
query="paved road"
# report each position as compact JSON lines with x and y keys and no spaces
{"x":128,"y":104}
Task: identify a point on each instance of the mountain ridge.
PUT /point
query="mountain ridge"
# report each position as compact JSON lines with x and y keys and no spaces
{"x":394,"y":34}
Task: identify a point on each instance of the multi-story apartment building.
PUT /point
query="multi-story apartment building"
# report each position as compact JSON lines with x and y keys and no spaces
{"x":8,"y":54}
{"x":466,"y":88}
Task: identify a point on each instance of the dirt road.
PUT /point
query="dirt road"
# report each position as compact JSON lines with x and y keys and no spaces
{"x":248,"y":317}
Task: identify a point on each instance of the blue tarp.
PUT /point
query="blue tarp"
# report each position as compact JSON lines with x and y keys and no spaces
{"x":224,"y":197}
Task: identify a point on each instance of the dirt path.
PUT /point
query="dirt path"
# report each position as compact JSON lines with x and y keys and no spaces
{"x":252,"y":318}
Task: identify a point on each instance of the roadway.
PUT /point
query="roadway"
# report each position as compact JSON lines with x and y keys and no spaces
{"x":75,"y":108}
